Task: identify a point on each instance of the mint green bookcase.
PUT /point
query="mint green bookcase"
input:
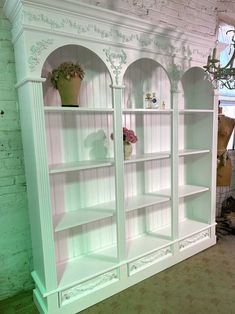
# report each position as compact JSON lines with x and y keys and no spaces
{"x":101,"y":223}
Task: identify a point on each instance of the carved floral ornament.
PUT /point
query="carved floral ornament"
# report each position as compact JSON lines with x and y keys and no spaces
{"x":36,"y":50}
{"x":116,"y":60}
{"x":114,"y":33}
{"x":149,"y":259}
{"x":89,"y":286}
{"x":197,"y":237}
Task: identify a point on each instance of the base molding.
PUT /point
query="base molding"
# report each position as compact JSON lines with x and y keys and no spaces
{"x":83,"y":295}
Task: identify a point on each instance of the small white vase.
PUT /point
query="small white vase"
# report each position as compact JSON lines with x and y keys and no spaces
{"x":127,"y":150}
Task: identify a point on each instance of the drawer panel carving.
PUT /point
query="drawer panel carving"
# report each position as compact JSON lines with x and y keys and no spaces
{"x":194,"y":239}
{"x":89,"y":286}
{"x":149,"y":260}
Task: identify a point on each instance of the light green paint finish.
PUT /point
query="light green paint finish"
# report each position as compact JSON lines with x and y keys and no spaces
{"x":15,"y":240}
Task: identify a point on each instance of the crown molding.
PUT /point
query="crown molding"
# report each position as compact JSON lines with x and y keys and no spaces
{"x":74,"y":8}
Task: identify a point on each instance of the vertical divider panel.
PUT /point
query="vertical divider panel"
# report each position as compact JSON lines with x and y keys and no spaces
{"x":174,"y":165}
{"x":214,"y":157}
{"x":119,"y":170}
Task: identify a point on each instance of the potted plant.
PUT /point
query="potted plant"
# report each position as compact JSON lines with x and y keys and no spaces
{"x":67,"y":79}
{"x":129,"y":137}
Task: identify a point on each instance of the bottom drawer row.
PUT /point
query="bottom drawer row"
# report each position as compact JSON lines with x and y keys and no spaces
{"x":133,"y":267}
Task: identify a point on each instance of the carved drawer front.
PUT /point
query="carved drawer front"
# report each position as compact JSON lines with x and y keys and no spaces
{"x":198,"y":237}
{"x":88,"y":286}
{"x":149,"y":260}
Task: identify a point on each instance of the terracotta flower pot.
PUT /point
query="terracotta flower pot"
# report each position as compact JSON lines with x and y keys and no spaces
{"x":69,"y":91}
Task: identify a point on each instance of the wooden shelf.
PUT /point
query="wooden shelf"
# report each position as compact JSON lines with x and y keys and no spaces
{"x":83,"y":216}
{"x":77,"y":109}
{"x":182,"y":111}
{"x":145,"y":244}
{"x":188,"y":227}
{"x":86,"y":215}
{"x":140,"y":110}
{"x":186,"y":152}
{"x":145,"y":200}
{"x":89,"y":164}
{"x":79,"y":165}
{"x":147,"y":157}
{"x":163,"y":192}
{"x":84,"y":268}
{"x":80,"y":269}
{"x":187,"y":190}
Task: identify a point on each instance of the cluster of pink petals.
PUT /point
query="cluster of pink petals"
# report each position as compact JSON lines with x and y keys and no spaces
{"x":129,"y":136}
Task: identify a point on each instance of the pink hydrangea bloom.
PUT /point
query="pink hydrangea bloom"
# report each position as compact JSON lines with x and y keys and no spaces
{"x":128,"y":135}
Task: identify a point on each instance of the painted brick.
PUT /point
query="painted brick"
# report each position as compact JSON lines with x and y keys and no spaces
{"x":10,"y":141}
{"x":6,"y":52}
{"x":187,"y":15}
{"x":7,"y":181}
{"x":20,"y":179}
{"x":12,"y":203}
{"x":5,"y":35}
{"x":15,"y":240}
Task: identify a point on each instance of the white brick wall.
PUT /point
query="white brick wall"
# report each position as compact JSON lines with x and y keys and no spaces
{"x":196,"y":16}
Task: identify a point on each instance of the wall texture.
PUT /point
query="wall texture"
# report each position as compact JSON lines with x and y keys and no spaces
{"x":195,"y":16}
{"x":15,"y":242}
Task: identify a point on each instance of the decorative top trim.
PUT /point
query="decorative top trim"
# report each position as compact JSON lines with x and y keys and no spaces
{"x":104,"y":14}
{"x":113,"y":33}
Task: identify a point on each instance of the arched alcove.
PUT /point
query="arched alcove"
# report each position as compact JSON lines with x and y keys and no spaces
{"x":96,"y":81}
{"x":198,"y":90}
{"x":145,"y":76}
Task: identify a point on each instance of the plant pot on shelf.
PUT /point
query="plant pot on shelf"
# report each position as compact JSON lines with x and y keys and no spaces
{"x":69,"y":91}
{"x":67,"y":79}
{"x":127,"y":150}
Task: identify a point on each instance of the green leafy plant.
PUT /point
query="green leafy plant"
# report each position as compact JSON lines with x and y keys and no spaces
{"x":66,"y":70}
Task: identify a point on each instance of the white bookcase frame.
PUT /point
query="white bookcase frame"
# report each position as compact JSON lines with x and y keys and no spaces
{"x":101,"y":223}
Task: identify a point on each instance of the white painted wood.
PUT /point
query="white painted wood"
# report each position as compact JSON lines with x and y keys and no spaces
{"x":141,"y":201}
{"x":145,"y":244}
{"x":74,"y":109}
{"x":80,"y":217}
{"x":195,"y":111}
{"x":152,"y":111}
{"x":187,"y":227}
{"x":94,"y":215}
{"x":80,"y":165}
{"x":186,"y":152}
{"x":84,"y":268}
{"x":187,"y":190}
{"x":147,"y":157}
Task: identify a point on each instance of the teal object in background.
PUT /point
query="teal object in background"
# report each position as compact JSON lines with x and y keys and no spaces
{"x":15,"y":240}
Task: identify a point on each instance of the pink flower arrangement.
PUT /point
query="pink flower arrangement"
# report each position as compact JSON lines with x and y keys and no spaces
{"x":128,"y":136}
